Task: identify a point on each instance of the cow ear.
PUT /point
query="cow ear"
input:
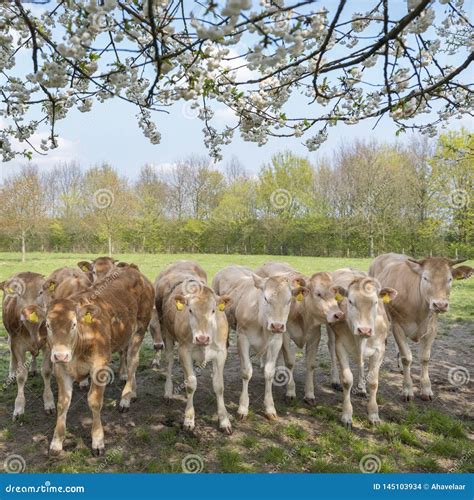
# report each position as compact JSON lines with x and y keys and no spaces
{"x":462,"y":272}
{"x":387,"y":294}
{"x":299,"y":281}
{"x":454,"y":262}
{"x":258,"y":281}
{"x":180,"y":301}
{"x":85,"y":266}
{"x":339,"y":292}
{"x":2,"y":285}
{"x":223,"y":301}
{"x":415,"y":265}
{"x":88,"y":313}
{"x":50,"y":285}
{"x":300,"y":293}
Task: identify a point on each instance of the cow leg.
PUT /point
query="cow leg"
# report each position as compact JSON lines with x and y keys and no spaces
{"x":95,"y":399}
{"x":64,"y":400}
{"x":273,"y":349}
{"x":123,"y":365}
{"x":373,"y":379}
{"x":347,"y":381}
{"x":133,"y":357}
{"x":289,"y":357}
{"x":406,"y":358}
{"x":46,"y":369}
{"x":246,"y":369}
{"x":361,"y":388}
{"x":156,"y":361}
{"x":84,"y":384}
{"x":13,"y":361}
{"x":21,"y":377}
{"x":335,"y":380}
{"x":33,"y":369}
{"x":190,"y":382}
{"x":169,"y":355}
{"x":426,"y":343}
{"x":311,"y":351}
{"x":218,"y":385}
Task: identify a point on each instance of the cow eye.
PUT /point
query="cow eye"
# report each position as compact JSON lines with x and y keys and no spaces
{"x":320,"y":295}
{"x":266,"y":300}
{"x":190,"y":311}
{"x":213,"y":311}
{"x":351,"y":303}
{"x":425,"y":278}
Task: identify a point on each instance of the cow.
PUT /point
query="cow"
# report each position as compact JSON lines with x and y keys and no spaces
{"x":261,"y":309}
{"x":362,"y":334}
{"x":23,"y":318}
{"x":155,"y":332}
{"x":423,"y":289}
{"x":304,"y":324}
{"x":83,"y":332}
{"x":64,"y":282}
{"x":192,"y":315}
{"x":98,"y":268}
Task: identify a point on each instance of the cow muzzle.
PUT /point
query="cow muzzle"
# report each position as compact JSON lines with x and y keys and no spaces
{"x":439,"y":306}
{"x":158,"y":346}
{"x":202,"y":340}
{"x":276,"y":327}
{"x":334,"y":317}
{"x":60,"y":357}
{"x":364,"y":331}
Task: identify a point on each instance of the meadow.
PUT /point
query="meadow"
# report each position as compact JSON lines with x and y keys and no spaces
{"x":415,"y":437}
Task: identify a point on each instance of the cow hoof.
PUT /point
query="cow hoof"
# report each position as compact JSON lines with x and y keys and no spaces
{"x":348,"y":425}
{"x":310,"y":401}
{"x":50,"y":411}
{"x":271,"y":416}
{"x":241,"y":416}
{"x":336,"y":386}
{"x":375,"y":421}
{"x":123,"y":408}
{"x":426,"y":397}
{"x":361,"y":394}
{"x":290,"y":399}
{"x":408,"y":397}
{"x":84,"y":387}
{"x":97,"y":452}
{"x":54,"y":453}
{"x":33,"y":373}
{"x":123,"y":377}
{"x":188,"y":427}
{"x":17,"y":417}
{"x":227,"y":429}
{"x":155,"y":365}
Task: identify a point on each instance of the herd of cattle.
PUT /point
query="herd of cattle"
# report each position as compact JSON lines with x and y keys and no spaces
{"x":79,"y":317}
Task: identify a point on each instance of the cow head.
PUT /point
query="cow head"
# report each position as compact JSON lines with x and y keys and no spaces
{"x":200,"y":310}
{"x":98,"y":268}
{"x":26,"y":288}
{"x":322,"y":298}
{"x":361,"y":304}
{"x":33,"y":317}
{"x":436,"y":278}
{"x":277,"y":293}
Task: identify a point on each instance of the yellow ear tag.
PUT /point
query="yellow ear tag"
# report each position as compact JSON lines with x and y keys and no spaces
{"x":88,"y":318}
{"x":338,"y":297}
{"x":386,"y":298}
{"x":221,"y":306}
{"x":10,"y":290}
{"x":179,"y":306}
{"x":300,"y":297}
{"x":85,"y":269}
{"x":52,"y":287}
{"x":33,"y":317}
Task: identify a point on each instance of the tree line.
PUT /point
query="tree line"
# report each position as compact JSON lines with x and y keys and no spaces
{"x":367,"y":198}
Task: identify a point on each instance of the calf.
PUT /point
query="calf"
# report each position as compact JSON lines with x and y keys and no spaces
{"x":262,"y":306}
{"x":193,"y":317}
{"x":23,"y":318}
{"x":361,"y":335}
{"x":84,"y":331}
{"x":423,"y":289}
{"x":306,"y":316}
{"x":63,"y":283}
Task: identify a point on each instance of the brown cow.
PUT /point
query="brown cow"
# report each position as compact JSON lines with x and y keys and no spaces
{"x":23,"y":318}
{"x":423,"y":289}
{"x":193,"y":317}
{"x":261,"y":313}
{"x":306,"y":316}
{"x":363,"y":334}
{"x":63,"y":283}
{"x":84,"y":331}
{"x":97,"y":268}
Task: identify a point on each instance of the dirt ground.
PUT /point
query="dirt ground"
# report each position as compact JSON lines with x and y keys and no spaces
{"x":149,"y":438}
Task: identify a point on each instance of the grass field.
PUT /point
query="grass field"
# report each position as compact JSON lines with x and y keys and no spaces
{"x":424,"y":437}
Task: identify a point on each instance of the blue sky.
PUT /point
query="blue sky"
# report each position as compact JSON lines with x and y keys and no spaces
{"x":110,"y":133}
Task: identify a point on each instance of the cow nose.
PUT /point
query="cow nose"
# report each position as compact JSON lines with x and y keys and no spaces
{"x":61,"y":357}
{"x":203,"y":339}
{"x":277,"y":327}
{"x":440,"y":305}
{"x":158,"y":346}
{"x":364,"y":330}
{"x":337,"y":316}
